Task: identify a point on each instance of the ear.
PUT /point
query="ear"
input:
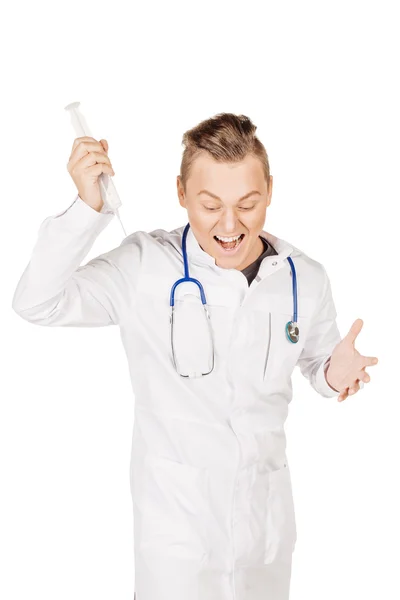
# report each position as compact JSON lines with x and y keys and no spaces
{"x":181,"y":193}
{"x":269,"y":195}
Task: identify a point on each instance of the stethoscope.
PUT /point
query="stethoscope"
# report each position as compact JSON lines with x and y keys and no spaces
{"x":291,"y":328}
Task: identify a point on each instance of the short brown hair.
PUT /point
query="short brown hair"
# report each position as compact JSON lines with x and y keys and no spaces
{"x":227,"y":138}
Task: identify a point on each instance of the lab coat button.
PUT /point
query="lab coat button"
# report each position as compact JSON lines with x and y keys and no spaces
{"x":274,"y":263}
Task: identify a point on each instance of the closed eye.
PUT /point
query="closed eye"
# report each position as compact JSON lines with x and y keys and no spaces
{"x":241,"y":208}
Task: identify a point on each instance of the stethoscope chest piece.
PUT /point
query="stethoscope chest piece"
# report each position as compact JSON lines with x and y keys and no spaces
{"x":292,"y":332}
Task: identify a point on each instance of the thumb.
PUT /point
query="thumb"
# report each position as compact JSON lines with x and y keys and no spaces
{"x":104,"y":143}
{"x":355,"y":330}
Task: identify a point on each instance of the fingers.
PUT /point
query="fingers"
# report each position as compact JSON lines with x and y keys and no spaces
{"x":363,"y":377}
{"x":350,"y":391}
{"x":91,"y":158}
{"x":368,"y":361}
{"x":86,"y":141}
{"x":87,"y":151}
{"x":78,"y":140}
{"x":354,"y":388}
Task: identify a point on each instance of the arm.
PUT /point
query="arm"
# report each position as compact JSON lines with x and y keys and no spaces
{"x":322,"y":338}
{"x":54,"y":290}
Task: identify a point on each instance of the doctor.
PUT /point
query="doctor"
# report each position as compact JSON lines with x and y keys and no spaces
{"x":210,"y":480}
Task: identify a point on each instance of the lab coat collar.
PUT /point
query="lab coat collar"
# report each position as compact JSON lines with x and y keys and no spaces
{"x":198,"y":256}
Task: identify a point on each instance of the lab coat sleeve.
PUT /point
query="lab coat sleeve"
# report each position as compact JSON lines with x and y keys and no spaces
{"x":322,"y":338}
{"x":54,"y":289}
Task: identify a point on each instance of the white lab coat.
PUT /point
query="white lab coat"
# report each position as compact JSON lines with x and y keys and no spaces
{"x":212,"y":497}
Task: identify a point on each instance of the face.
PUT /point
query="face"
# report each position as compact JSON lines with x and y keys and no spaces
{"x":227,"y":200}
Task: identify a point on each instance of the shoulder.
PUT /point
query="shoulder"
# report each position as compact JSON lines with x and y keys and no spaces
{"x":147,"y":248}
{"x":310,"y":268}
{"x":158,"y":239}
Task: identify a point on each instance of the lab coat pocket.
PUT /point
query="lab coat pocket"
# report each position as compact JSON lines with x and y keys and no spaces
{"x":174,"y":503}
{"x":281,"y":354}
{"x":280,"y":530}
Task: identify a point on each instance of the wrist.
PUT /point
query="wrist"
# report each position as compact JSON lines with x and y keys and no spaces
{"x":326,"y":369}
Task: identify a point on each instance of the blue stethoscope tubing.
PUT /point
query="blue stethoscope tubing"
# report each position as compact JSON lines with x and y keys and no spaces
{"x":291,"y":328}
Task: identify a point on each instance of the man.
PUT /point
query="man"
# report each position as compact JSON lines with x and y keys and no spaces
{"x":211,"y":488}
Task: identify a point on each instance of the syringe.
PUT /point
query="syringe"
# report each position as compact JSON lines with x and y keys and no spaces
{"x":108,"y":192}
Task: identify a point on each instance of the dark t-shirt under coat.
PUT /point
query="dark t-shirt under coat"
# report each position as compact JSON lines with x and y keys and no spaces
{"x":251,"y":271}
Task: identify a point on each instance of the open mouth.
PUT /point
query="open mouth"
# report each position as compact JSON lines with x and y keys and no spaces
{"x":230,"y":246}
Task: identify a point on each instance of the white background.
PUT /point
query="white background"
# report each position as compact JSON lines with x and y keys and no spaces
{"x":320,"y":81}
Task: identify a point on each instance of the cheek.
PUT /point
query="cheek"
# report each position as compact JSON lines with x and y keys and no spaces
{"x":254,"y":219}
{"x":260,"y":217}
{"x":254,"y":226}
{"x":202,"y":225}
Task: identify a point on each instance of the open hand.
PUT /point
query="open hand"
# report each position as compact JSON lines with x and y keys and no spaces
{"x":347,"y":366}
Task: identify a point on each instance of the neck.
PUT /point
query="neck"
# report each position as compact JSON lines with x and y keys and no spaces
{"x":256,"y":253}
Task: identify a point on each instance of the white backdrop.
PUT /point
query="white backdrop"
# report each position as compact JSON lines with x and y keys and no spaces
{"x":320,"y":80}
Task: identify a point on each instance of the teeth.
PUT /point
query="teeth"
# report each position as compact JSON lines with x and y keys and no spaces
{"x":228,"y":239}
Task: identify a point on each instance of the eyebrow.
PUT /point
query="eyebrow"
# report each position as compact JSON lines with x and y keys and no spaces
{"x":240,"y":199}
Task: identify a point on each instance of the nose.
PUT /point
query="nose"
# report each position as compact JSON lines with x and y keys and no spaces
{"x":228,"y":222}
